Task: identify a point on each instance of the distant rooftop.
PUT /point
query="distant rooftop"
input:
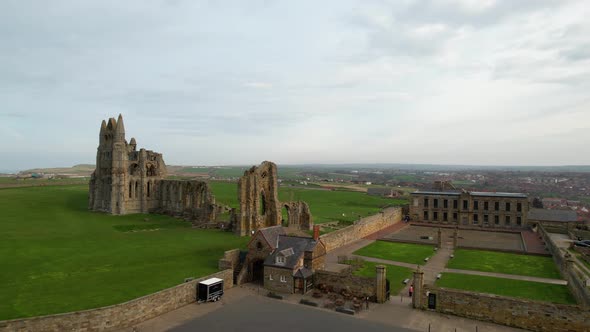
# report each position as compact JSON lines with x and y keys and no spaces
{"x":552,"y":215}
{"x":473,"y":193}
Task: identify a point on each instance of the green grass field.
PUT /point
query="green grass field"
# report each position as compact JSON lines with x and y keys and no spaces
{"x":500,"y":262}
{"x":507,"y":287}
{"x":395,"y":274}
{"x":325,"y":205}
{"x":397,"y":252}
{"x":56,"y":256}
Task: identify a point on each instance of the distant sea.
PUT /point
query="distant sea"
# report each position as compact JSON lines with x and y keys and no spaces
{"x":8,"y":171}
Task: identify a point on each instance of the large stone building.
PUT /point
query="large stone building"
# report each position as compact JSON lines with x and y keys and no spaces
{"x":130,"y":181}
{"x":470,"y":208}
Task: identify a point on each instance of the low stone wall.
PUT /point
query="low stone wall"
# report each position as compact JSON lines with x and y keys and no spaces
{"x":568,"y":270}
{"x":358,"y":286}
{"x":518,"y":252}
{"x":525,"y":314}
{"x":230,"y":260}
{"x":362,"y":228}
{"x":119,"y":315}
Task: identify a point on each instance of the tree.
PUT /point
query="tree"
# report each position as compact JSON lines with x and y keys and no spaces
{"x":537,"y":203}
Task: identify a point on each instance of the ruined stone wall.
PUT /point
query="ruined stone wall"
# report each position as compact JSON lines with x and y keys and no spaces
{"x":117,"y":316}
{"x":258,"y":197}
{"x":358,"y":286}
{"x":299,"y":215}
{"x":362,"y":228}
{"x":525,"y":314}
{"x":192,"y":200}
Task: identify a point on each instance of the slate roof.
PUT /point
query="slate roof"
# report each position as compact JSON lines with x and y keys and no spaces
{"x":473,"y":193}
{"x":287,"y":245}
{"x":552,"y":215}
{"x":303,"y":273}
{"x":271,"y":234}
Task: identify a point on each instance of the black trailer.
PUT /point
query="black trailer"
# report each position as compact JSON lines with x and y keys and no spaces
{"x":210,"y":290}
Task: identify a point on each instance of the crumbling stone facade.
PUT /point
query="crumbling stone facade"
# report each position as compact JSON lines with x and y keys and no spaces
{"x":258,"y":195}
{"x":299,"y":215}
{"x":129,"y":181}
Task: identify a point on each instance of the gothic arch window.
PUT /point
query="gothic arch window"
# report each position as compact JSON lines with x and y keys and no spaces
{"x":134,"y":170}
{"x":136,"y":189}
{"x":150,"y":170}
{"x":148,"y":189}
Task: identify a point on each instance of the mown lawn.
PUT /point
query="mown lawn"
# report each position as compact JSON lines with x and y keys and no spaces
{"x":395,"y":274}
{"x":56,"y":256}
{"x":325,"y":205}
{"x":507,"y":287}
{"x":397,"y":252}
{"x":501,"y":262}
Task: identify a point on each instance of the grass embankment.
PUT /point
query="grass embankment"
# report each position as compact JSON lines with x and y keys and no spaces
{"x":395,"y":274}
{"x":397,"y":252}
{"x":507,"y":287}
{"x":56,"y":256}
{"x":508,"y":263}
{"x":325,"y":205}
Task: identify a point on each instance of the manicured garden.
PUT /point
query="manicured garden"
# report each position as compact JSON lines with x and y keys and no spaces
{"x":507,"y":287}
{"x":56,"y":256}
{"x":325,"y":205}
{"x":395,"y":274}
{"x":501,"y":262}
{"x":397,"y":252}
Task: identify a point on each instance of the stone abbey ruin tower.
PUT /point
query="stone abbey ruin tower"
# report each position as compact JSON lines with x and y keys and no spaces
{"x":129,"y":181}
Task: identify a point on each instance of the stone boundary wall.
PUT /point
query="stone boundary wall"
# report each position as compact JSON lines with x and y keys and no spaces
{"x":230,"y":260}
{"x":356,"y":285}
{"x":568,"y":270}
{"x":430,"y":243}
{"x":362,"y":228}
{"x":525,"y":314}
{"x":119,"y":315}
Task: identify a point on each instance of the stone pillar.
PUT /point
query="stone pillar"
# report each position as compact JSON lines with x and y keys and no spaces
{"x":418,"y":288}
{"x":380,"y":290}
{"x":455,"y":237}
{"x":439,"y":238}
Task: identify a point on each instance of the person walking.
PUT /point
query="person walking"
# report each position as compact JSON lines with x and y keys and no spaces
{"x":411,"y":290}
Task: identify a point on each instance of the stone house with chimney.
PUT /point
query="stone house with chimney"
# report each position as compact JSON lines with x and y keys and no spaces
{"x":281,"y":262}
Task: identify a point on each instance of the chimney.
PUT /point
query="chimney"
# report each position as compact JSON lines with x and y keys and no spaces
{"x":316,"y":232}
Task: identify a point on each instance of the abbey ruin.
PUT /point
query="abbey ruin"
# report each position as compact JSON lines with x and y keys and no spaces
{"x":129,"y":181}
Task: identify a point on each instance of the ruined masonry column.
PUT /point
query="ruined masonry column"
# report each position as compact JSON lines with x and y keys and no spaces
{"x":381,"y":284}
{"x":418,"y":288}
{"x":439,"y":238}
{"x":455,"y":237}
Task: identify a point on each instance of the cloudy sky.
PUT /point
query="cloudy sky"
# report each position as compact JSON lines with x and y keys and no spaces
{"x":238,"y":82}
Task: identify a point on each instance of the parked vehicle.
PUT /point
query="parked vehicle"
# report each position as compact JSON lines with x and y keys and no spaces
{"x":210,"y":290}
{"x":582,"y":243}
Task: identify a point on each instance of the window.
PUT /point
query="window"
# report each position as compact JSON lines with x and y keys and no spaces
{"x":435,"y":215}
{"x":455,"y":216}
{"x":497,"y":220}
{"x":486,"y":219}
{"x":446,"y":204}
{"x":416,"y":202}
{"x":507,"y":206}
{"x":465,"y":204}
{"x":476,"y":219}
{"x":435,"y":201}
{"x":497,"y":206}
{"x":519,"y":221}
{"x":426,"y":202}
{"x":280,"y":259}
{"x":476,"y":205}
{"x":455,"y":204}
{"x":486,"y":205}
{"x":445,"y":216}
{"x":425,"y":215}
{"x":283,"y":279}
{"x":519,"y":207}
{"x":507,"y":220}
